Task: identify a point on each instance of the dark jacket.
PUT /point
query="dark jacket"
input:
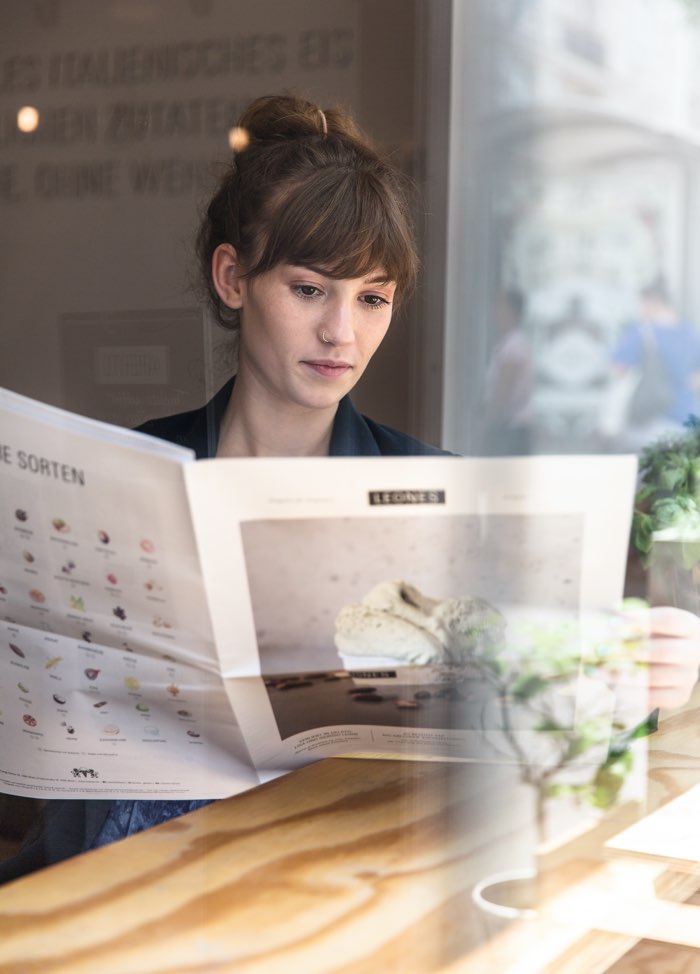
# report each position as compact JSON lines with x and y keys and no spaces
{"x":353,"y":435}
{"x":71,"y":826}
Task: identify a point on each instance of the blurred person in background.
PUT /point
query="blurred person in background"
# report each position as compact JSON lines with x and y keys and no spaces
{"x":655,"y":374}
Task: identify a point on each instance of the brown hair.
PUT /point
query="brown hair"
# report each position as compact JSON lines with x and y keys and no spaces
{"x":308,"y":189}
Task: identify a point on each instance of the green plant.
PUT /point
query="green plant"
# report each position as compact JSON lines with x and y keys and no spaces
{"x":668,"y":496}
{"x":575,"y":751}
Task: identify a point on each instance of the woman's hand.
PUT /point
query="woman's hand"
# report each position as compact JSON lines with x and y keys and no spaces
{"x":667,"y":640}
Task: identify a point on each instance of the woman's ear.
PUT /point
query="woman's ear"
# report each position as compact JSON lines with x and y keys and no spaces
{"x":226,"y":275}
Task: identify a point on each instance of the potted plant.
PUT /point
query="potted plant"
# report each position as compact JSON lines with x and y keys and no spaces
{"x":666,"y":522}
{"x":579,"y":755}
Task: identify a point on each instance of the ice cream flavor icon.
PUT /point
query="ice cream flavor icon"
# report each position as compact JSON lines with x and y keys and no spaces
{"x":173,"y":690}
{"x":58,"y":524}
{"x":17,"y":651}
{"x":68,"y":568}
{"x":77,"y":602}
{"x":57,"y":698}
{"x":69,"y":727}
{"x":131,"y":683}
{"x":103,"y":537}
{"x":191,"y":733}
{"x":28,"y":557}
{"x":50,"y":664}
{"x":112,"y":578}
{"x":29,"y":720}
{"x":119,"y":612}
{"x":145,"y":544}
{"x":21,"y":514}
{"x":111,"y":729}
{"x":91,"y":673}
{"x":36,"y":595}
{"x":86,"y":636}
{"x":143,"y":708}
{"x":23,"y":687}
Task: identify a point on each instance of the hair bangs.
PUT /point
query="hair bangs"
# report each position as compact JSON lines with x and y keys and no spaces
{"x":339,"y":222}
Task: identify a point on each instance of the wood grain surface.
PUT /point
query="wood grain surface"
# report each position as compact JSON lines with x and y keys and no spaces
{"x":326,"y":869}
{"x":358,"y":867}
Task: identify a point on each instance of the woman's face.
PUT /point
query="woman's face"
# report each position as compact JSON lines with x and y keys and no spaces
{"x":306,"y":338}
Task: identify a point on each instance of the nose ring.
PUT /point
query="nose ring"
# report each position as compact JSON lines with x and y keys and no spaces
{"x":325,"y":338}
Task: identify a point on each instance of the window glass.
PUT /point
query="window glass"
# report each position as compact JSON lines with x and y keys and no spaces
{"x":583,"y":306}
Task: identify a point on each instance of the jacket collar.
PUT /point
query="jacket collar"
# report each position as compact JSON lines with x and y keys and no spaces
{"x":350,"y":437}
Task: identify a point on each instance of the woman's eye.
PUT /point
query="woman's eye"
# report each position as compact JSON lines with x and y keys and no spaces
{"x":306,"y":290}
{"x":374,"y":301}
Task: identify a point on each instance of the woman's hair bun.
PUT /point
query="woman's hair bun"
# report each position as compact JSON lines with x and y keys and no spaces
{"x":274,"y":117}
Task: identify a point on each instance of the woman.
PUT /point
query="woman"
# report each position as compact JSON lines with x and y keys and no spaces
{"x":306,"y":249}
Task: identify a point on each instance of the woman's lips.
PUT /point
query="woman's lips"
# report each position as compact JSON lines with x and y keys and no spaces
{"x":328,"y":368}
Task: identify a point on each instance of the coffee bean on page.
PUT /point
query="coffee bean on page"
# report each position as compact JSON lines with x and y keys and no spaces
{"x":368,"y":697}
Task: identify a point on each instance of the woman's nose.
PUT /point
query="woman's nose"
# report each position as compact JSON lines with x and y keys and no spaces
{"x":337,"y":327}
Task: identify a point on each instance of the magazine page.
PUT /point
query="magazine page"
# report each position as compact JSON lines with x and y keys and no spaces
{"x":109,"y":683}
{"x":354,"y":601}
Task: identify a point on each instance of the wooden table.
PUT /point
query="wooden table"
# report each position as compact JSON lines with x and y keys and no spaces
{"x":354,"y":867}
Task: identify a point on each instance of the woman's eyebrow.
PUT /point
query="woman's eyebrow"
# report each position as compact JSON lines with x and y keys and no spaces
{"x":375,"y":279}
{"x":378,"y":279}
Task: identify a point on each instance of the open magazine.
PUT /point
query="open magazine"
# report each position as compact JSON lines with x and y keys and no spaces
{"x":172,"y":628}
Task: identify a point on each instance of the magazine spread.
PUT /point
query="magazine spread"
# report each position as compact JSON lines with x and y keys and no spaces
{"x":172,"y":628}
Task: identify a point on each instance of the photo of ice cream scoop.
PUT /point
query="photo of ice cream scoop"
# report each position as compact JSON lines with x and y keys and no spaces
{"x":77,"y":602}
{"x":52,"y":663}
{"x":68,"y":567}
{"x":395,"y":621}
{"x":58,"y":524}
{"x":91,"y":673}
{"x":191,"y":733}
{"x":142,"y":708}
{"x":28,"y":557}
{"x":111,"y":729}
{"x":100,"y":704}
{"x":57,"y":698}
{"x":132,"y":682}
{"x":173,"y":690}
{"x":36,"y":595}
{"x":69,"y":728}
{"x":119,"y":612}
{"x":112,"y":578}
{"x":17,"y":651}
{"x":184,"y":713}
{"x":29,"y":720}
{"x":103,"y":537}
{"x":21,"y":514}
{"x":86,"y":636}
{"x":145,"y":544}
{"x":23,"y":687}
